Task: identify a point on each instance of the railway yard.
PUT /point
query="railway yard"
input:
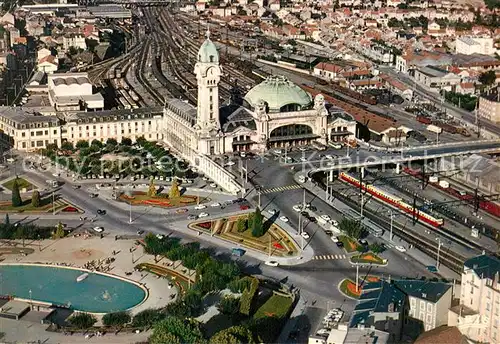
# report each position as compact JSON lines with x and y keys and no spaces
{"x":159,"y":65}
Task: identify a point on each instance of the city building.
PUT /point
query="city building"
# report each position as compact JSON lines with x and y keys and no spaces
{"x":76,"y":41}
{"x":443,"y":335}
{"x":428,"y":302}
{"x":73,"y":92}
{"x":474,"y":45}
{"x":478,"y":314}
{"x":437,"y":78}
{"x":28,"y":131}
{"x":48,"y":64}
{"x":489,"y":107}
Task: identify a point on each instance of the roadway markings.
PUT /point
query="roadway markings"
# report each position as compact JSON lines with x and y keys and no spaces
{"x":281,"y":188}
{"x":330,"y":257}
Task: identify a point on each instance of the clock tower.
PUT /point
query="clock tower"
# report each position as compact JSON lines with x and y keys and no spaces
{"x":208,"y":73}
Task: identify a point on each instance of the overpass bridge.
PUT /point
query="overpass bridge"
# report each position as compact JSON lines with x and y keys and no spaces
{"x":377,"y":158}
{"x":139,"y":3}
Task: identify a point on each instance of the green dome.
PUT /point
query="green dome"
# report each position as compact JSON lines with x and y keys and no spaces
{"x":208,"y":52}
{"x":280,"y":95}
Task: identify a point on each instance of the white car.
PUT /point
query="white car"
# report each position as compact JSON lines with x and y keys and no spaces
{"x":335,"y":223}
{"x":323,"y":332}
{"x":230,"y":163}
{"x":98,"y":229}
{"x":303,"y":159}
{"x":213,"y":185}
{"x":216,"y":204}
{"x":243,"y":154}
{"x":159,"y":236}
{"x":302,"y":148}
{"x":206,"y":178}
{"x":200,"y":206}
{"x":284,"y":218}
{"x":400,"y":248}
{"x":272,"y":211}
{"x":326,"y":217}
{"x":272,"y":263}
{"x":305,"y":235}
{"x":328,"y":156}
{"x":302,"y":179}
{"x":297,"y":208}
{"x":203,"y":215}
{"x":335,"y":239}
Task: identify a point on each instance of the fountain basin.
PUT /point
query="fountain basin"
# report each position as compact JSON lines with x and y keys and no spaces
{"x":98,"y":293}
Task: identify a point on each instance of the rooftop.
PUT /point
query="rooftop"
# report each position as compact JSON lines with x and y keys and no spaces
{"x":432,"y":71}
{"x":484,"y":266}
{"x":430,"y":291}
{"x":442,"y":335}
{"x":21,"y":115}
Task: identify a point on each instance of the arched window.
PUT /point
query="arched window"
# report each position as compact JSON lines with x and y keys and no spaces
{"x":292,"y":130}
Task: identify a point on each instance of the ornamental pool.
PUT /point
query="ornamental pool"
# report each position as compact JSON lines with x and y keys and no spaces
{"x":97,"y":293}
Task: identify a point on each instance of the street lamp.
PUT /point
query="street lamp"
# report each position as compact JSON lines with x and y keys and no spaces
{"x":130,"y":211}
{"x":31,"y":301}
{"x":438,"y":251}
{"x":392,"y":220}
{"x":53,"y":203}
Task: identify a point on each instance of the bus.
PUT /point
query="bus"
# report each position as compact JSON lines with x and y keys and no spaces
{"x":318,"y":146}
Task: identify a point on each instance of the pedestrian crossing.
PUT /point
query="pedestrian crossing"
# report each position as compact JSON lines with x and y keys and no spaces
{"x":330,"y":257}
{"x":281,"y":188}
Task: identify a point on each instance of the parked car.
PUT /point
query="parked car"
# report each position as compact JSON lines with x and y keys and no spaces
{"x":363,"y":242}
{"x":101,"y":212}
{"x":203,"y":215}
{"x":238,"y":252}
{"x":192,"y":217}
{"x":140,"y":232}
{"x":339,"y":244}
{"x":305,"y":235}
{"x":297,"y":208}
{"x":272,"y":211}
{"x":244,"y":207}
{"x":325,"y":217}
{"x":230,"y":163}
{"x":216,"y":204}
{"x":335,"y":239}
{"x":98,"y":229}
{"x":200,"y":206}
{"x":213,"y":185}
{"x":284,"y":218}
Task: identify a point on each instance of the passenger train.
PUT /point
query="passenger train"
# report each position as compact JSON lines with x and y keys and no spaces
{"x":392,"y":200}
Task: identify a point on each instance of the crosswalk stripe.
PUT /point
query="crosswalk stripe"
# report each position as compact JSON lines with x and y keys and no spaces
{"x":330,"y":256}
{"x":281,"y":188}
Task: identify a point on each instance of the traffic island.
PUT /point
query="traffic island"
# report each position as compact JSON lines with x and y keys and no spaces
{"x":348,"y":288}
{"x":368,"y":258}
{"x":273,"y":240}
{"x":46,"y":206}
{"x":23,"y":184}
{"x":350,"y":245}
{"x":161,"y":200}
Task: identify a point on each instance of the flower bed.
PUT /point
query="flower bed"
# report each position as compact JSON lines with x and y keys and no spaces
{"x":348,"y":288}
{"x":160,"y":200}
{"x":372,"y":279}
{"x":368,"y":258}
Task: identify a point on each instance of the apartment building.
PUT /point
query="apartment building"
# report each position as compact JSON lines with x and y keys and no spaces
{"x":437,"y":78}
{"x":74,"y":40}
{"x":474,"y":45}
{"x":429,"y":301}
{"x":28,"y":131}
{"x":478,"y":315}
{"x":489,"y":107}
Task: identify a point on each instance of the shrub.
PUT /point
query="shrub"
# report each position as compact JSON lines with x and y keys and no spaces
{"x":16,"y":195}
{"x":148,"y":317}
{"x":82,"y":320}
{"x":229,"y":305}
{"x":241,"y":224}
{"x":116,"y":319}
{"x":248,"y":296}
{"x":35,"y":199}
{"x":239,"y":285}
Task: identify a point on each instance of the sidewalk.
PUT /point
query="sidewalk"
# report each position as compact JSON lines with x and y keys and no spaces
{"x":413,"y":253}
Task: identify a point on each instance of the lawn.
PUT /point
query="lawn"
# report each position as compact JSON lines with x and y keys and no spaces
{"x":276,"y":306}
{"x":368,"y":258}
{"x":45,"y":206}
{"x":161,"y":200}
{"x":23,"y":184}
{"x":350,"y":245}
{"x":348,"y":288}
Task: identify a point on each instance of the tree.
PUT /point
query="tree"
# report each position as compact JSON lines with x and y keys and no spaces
{"x":247,"y":297}
{"x":126,"y":141}
{"x":66,"y":145}
{"x":116,"y":319}
{"x":111,"y":142}
{"x":16,"y":195}
{"x":162,"y":337}
{"x":141,"y":140}
{"x":152,"y":188}
{"x":35,"y":199}
{"x":59,"y":233}
{"x":241,"y":224}
{"x":148,"y":317}
{"x":185,"y":330}
{"x":352,"y":228}
{"x":7,"y":219}
{"x":257,"y":224}
{"x":81,"y":144}
{"x":96,"y":143}
{"x":488,"y":78}
{"x":174,"y":190}
{"x":229,"y":305}
{"x":233,"y":335}
{"x":82,"y":320}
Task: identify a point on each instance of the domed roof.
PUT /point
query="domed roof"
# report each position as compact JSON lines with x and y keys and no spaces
{"x":277,"y":91}
{"x":208,"y":51}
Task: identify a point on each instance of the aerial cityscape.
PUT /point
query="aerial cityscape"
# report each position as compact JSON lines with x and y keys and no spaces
{"x":266,"y":171}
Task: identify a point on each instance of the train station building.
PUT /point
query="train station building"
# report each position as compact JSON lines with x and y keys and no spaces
{"x":275,"y":113}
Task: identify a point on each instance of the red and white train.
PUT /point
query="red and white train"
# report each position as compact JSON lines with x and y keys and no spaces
{"x":392,"y":200}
